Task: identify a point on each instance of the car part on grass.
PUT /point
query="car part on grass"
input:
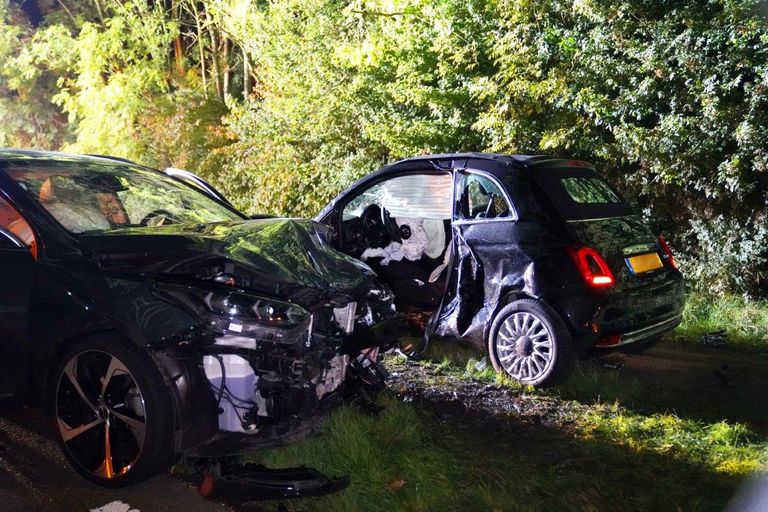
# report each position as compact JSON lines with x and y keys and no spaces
{"x":253,"y":482}
{"x":715,"y":338}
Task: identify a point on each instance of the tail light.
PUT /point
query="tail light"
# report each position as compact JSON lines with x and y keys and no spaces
{"x":667,"y":252}
{"x":592,"y":267}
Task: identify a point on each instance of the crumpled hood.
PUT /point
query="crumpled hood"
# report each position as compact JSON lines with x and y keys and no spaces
{"x":283,"y":255}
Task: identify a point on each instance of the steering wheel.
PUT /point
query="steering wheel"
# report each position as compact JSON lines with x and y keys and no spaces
{"x":157,"y":217}
{"x":381,"y":228}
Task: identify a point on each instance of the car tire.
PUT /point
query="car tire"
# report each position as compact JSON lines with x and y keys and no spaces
{"x":529,"y":342}
{"x":642,"y":346}
{"x":111,"y":411}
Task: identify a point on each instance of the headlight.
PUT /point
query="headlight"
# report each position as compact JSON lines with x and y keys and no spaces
{"x":243,"y":313}
{"x":266,"y":311}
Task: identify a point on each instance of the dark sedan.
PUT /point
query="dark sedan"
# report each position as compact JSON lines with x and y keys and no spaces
{"x":152,"y":320}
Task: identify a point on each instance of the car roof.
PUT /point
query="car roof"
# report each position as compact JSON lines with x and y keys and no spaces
{"x":15,"y":154}
{"x":538,"y":161}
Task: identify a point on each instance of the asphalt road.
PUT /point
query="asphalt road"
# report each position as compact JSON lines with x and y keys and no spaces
{"x":35,"y":476}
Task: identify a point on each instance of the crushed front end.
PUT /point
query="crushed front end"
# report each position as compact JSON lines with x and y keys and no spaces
{"x":272,"y":367}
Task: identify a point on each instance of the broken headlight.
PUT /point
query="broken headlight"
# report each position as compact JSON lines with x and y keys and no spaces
{"x":262,"y":310}
{"x":244,"y":313}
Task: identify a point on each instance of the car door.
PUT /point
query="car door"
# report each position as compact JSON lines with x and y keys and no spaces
{"x":17,"y":267}
{"x":485,"y":235}
{"x":411,"y":257}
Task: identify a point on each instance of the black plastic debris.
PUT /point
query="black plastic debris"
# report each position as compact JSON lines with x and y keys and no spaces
{"x":612,"y":364}
{"x":253,"y":482}
{"x":715,"y":338}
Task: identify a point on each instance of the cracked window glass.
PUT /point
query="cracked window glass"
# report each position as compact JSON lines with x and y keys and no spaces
{"x":482,"y":199}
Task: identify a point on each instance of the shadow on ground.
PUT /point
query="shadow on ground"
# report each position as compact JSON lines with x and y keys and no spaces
{"x":707,"y":384}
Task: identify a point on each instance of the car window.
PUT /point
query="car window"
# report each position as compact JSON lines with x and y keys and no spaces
{"x":589,"y":189}
{"x":12,"y":221}
{"x":580,"y":193}
{"x":481,"y":198}
{"x":94,"y":197}
{"x":426,"y":196}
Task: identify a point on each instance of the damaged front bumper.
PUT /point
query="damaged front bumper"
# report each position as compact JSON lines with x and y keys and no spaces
{"x":244,"y":384}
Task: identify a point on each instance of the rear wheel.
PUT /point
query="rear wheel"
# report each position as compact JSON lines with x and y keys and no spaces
{"x":530,"y":343}
{"x":112,"y":411}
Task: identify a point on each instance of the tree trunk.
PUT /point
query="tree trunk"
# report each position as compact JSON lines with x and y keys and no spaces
{"x":247,"y":80}
{"x":215,"y":62}
{"x":178,"y":54}
{"x":225,"y":62}
{"x":200,"y":46}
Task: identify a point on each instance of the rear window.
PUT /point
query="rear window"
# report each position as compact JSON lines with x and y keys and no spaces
{"x":589,"y":190}
{"x":581,"y":193}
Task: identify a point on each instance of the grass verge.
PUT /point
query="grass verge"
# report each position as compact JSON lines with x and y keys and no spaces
{"x":604,"y":456}
{"x":745,"y":320}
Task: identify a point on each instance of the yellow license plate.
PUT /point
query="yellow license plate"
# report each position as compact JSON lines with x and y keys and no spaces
{"x":644,"y":262}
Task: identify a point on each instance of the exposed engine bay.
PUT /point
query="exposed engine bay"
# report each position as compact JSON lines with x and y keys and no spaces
{"x":268,"y":361}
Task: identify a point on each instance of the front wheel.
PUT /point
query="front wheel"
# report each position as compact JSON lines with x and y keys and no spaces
{"x":530,"y":343}
{"x":112,"y":411}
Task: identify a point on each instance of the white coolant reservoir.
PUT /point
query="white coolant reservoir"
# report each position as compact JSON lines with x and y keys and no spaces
{"x":240,"y":382}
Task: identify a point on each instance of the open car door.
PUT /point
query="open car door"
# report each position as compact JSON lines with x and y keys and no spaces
{"x":399,"y":223}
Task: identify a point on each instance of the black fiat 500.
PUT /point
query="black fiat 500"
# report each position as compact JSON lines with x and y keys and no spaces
{"x":152,"y":320}
{"x":534,"y":259}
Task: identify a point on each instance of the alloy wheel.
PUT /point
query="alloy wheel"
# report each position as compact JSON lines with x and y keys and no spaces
{"x":524,"y":346}
{"x":100,"y":414}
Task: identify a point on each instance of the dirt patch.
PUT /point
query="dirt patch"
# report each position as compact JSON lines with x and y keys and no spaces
{"x":708,"y":384}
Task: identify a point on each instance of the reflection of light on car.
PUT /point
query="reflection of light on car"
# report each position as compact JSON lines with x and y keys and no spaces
{"x":751,"y":497}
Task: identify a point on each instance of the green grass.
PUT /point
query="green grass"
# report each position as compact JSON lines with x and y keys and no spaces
{"x":745,"y":320}
{"x":602,"y":456}
{"x":626,"y":441}
{"x":609,"y":458}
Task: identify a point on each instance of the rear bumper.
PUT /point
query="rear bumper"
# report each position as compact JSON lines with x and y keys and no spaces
{"x":624,"y":317}
{"x":645,"y":333}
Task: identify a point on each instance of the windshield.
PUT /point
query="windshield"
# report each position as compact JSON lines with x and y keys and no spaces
{"x":93,"y":196}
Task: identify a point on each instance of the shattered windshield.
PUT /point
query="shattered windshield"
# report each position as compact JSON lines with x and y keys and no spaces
{"x":88,"y":197}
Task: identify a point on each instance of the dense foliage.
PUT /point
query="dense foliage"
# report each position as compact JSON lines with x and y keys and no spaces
{"x":284,"y":103}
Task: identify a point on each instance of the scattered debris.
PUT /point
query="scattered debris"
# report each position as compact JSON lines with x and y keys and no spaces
{"x":612,"y":363}
{"x":481,"y":364}
{"x":420,"y":382}
{"x":715,"y":338}
{"x":255,"y":482}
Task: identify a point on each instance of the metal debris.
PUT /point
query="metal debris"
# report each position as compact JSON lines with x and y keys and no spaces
{"x":715,"y":338}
